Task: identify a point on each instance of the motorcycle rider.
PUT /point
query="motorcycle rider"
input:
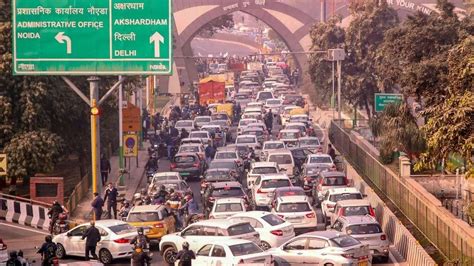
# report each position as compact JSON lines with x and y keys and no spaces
{"x":124,"y":209}
{"x":13,"y":259}
{"x":184,"y":134}
{"x":22,"y":260}
{"x":185,"y":256}
{"x":47,"y":251}
{"x":140,"y":240}
{"x":152,"y":163}
{"x":191,"y":207}
{"x":54,"y":213}
{"x":139,"y":257}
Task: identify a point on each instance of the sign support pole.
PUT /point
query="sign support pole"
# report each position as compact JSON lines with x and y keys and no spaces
{"x":339,"y":89}
{"x":333,"y":98}
{"x":120,"y":93}
{"x":95,"y":134}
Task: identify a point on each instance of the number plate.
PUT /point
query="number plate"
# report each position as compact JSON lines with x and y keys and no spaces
{"x":363,"y":263}
{"x":184,"y":173}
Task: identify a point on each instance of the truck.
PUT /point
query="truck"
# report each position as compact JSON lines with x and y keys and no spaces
{"x":211,"y":90}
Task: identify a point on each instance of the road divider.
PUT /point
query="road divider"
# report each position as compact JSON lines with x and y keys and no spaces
{"x":20,"y":211}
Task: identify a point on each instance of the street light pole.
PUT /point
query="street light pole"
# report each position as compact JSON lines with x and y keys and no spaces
{"x":339,"y":88}
{"x":95,"y":133}
{"x":333,"y":98}
{"x":120,"y":99}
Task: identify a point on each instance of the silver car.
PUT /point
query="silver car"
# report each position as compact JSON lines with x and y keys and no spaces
{"x":368,"y":231}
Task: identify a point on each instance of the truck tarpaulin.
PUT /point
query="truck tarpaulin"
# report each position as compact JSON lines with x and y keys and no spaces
{"x":211,"y":91}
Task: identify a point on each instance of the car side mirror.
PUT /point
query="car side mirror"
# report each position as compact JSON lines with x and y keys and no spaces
{"x":69,"y":234}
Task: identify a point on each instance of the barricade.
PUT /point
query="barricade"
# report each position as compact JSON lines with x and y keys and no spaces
{"x":24,"y":211}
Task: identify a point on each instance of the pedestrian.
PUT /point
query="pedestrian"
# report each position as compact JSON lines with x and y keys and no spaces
{"x":110,"y":197}
{"x":269,"y":121}
{"x":185,"y":256}
{"x":169,"y":145}
{"x":13,"y":259}
{"x":331,"y":152}
{"x":22,"y":260}
{"x":92,"y":236}
{"x":97,"y":205}
{"x":104,"y":169}
{"x":47,"y":251}
{"x":209,"y":152}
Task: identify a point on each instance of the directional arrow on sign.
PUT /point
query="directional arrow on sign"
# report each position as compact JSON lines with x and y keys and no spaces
{"x":157,"y":38}
{"x":61,"y":38}
{"x":3,"y":164}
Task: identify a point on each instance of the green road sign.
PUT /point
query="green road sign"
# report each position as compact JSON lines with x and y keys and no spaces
{"x":384,"y":99}
{"x":92,"y":37}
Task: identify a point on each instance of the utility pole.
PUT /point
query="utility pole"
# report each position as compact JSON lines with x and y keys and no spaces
{"x":333,"y":98}
{"x":323,"y":11}
{"x":120,"y":104}
{"x":339,"y":63}
{"x":337,"y":55}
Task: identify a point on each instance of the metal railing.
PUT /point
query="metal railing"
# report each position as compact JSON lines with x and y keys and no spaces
{"x":452,"y":237}
{"x":79,"y":192}
{"x":26,"y":200}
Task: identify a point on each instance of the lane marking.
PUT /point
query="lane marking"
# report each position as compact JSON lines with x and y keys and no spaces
{"x":24,"y":228}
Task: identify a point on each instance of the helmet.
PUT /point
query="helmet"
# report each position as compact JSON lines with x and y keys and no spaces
{"x":143,"y":191}
{"x":171,"y":191}
{"x":48,"y":238}
{"x":162,"y":187}
{"x":140,"y":230}
{"x":185,"y":245}
{"x":13,"y":254}
{"x":20,"y":253}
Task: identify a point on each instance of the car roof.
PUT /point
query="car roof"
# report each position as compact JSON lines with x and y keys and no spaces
{"x":319,"y":155}
{"x":299,"y":115}
{"x":184,"y":121}
{"x":274,"y":176}
{"x":226,"y":151}
{"x":246,"y":136}
{"x":166,"y":174}
{"x":228,"y":242}
{"x":223,"y":223}
{"x":252,"y":129}
{"x":107,"y":222}
{"x":227,"y":184}
{"x":191,"y":139}
{"x":273,"y":141}
{"x":256,"y":214}
{"x":264,"y":164}
{"x":199,"y":131}
{"x":342,"y":190}
{"x":217,"y":169}
{"x":191,"y":145}
{"x":305,"y":138}
{"x":358,"y":219}
{"x":298,"y":198}
{"x":333,"y":173}
{"x":228,"y":200}
{"x":223,"y":160}
{"x":210,"y":125}
{"x":353,"y":202}
{"x":323,"y":234}
{"x":146,"y":208}
{"x":290,"y":130}
{"x":203,"y":116}
{"x":295,"y":124}
{"x":170,"y":181}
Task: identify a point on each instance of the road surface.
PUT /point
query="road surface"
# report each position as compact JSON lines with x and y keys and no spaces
{"x":216,"y":46}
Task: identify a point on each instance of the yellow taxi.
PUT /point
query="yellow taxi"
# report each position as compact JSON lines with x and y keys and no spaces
{"x":297,"y":111}
{"x":154,"y":219}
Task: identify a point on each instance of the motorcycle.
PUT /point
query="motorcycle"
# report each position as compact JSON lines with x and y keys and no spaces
{"x":61,"y":225}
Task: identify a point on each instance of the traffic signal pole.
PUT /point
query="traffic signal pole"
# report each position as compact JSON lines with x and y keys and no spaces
{"x":95,"y":133}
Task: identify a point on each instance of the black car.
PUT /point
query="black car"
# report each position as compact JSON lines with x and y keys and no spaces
{"x":235,"y":170}
{"x":215,"y":175}
{"x":299,"y":156}
{"x":220,"y":190}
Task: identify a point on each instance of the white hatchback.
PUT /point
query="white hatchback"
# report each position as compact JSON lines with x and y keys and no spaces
{"x":265,"y":185}
{"x":298,"y":211}
{"x":226,"y":207}
{"x":115,"y":240}
{"x":273,"y":230}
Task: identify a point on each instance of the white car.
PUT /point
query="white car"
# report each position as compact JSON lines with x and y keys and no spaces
{"x":200,"y":233}
{"x":262,"y":96}
{"x":334,"y":195}
{"x":228,"y":155}
{"x":273,"y":230}
{"x":259,"y":168}
{"x":253,"y":115}
{"x":249,"y":140}
{"x":200,"y":121}
{"x":232,"y":252}
{"x":185,"y":124}
{"x":297,"y":211}
{"x":264,"y":186}
{"x":163,"y":176}
{"x":273,"y":104}
{"x":322,"y":248}
{"x":285,"y":117}
{"x":226,"y":207}
{"x":285,"y":161}
{"x":203,"y":135}
{"x":289,"y":137}
{"x":114,"y":242}
{"x":193,"y":148}
{"x":269,"y":146}
{"x":244,"y":122}
{"x":324,"y":161}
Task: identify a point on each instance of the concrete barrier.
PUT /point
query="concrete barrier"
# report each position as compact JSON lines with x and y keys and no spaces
{"x":25,"y":213}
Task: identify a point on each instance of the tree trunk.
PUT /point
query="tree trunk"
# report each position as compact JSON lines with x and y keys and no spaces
{"x":367,"y":109}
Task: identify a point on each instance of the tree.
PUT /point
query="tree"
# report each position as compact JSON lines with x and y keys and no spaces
{"x":450,"y":124}
{"x":220,"y":23}
{"x":398,"y":131}
{"x":327,"y":35}
{"x":371,"y":19}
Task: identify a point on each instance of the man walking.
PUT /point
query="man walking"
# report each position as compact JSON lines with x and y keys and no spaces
{"x":97,"y":205}
{"x":92,"y":236}
{"x":331,"y":152}
{"x":110,"y":197}
{"x":104,"y":169}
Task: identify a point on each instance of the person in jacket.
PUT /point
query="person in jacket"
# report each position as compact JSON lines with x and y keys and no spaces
{"x":97,"y":205}
{"x":185,"y":256}
{"x":110,"y":197}
{"x":92,"y":237}
{"x":54,"y":213}
{"x":104,"y":169}
{"x":140,"y":257}
{"x":47,"y":251}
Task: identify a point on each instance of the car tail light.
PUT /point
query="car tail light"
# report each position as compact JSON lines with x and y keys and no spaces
{"x":173,"y":165}
{"x":348,"y":256}
{"x":122,"y":241}
{"x":159,"y":225}
{"x":383,"y":237}
{"x":310,"y":215}
{"x":281,"y":216}
{"x":340,"y":212}
{"x":371,"y":211}
{"x":259,"y":191}
{"x":277,"y":232}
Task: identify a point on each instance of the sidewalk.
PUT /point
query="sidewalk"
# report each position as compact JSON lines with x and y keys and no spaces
{"x":82,"y":213}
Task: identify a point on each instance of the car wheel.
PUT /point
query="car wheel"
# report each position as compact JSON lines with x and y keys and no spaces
{"x":328,"y":264}
{"x":105,"y":257}
{"x":265,"y":246}
{"x":60,"y":251}
{"x":169,"y":255}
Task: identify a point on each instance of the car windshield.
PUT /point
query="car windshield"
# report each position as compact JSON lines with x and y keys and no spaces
{"x":246,"y":140}
{"x":345,"y":241}
{"x":217,"y":164}
{"x":228,"y":192}
{"x":299,"y":119}
{"x":289,"y":135}
{"x":309,"y":142}
{"x":175,"y":186}
{"x":363,"y":229}
{"x":216,"y":174}
{"x":253,"y":132}
{"x":345,"y":196}
{"x":199,"y":135}
{"x":273,"y":146}
{"x":188,"y":149}
{"x":294,"y":207}
{"x":356,"y":211}
{"x":229,"y":207}
{"x":320,"y":159}
{"x":297,"y":127}
{"x":264,"y":170}
{"x":184,"y":159}
{"x":272,"y":219}
{"x":334,"y":181}
{"x":122,"y":229}
{"x":226,"y":155}
{"x":184,"y":124}
{"x":203,"y":119}
{"x":280,"y":158}
{"x":165,"y":177}
{"x":144,"y":217}
{"x":240,"y":229}
{"x":244,"y":249}
{"x":274,"y":183}
{"x":265,"y":95}
{"x":220,"y":117}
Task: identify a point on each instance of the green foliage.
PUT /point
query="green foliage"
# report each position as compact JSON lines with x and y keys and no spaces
{"x":220,"y":23}
{"x":398,"y":131}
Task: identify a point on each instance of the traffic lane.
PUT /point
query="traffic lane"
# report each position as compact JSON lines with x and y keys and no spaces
{"x":18,"y":237}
